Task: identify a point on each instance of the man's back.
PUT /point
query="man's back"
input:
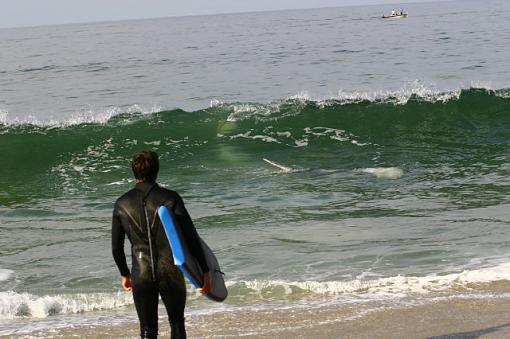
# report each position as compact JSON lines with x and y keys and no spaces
{"x":152,"y":256}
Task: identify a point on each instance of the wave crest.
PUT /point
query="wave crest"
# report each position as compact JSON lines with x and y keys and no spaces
{"x":277,"y":109}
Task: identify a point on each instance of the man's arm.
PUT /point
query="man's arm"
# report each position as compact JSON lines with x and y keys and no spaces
{"x":118,"y":236}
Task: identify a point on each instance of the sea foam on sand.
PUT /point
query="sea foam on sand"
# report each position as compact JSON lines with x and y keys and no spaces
{"x":449,"y":318}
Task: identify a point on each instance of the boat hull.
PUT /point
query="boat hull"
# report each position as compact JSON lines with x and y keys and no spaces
{"x":395,"y":16}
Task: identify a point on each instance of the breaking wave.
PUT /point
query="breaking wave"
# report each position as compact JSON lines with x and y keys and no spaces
{"x":477,"y":281}
{"x":375,"y":135}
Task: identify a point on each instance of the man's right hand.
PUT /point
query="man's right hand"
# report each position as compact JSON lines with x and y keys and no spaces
{"x":126,"y":283}
{"x":206,"y":287}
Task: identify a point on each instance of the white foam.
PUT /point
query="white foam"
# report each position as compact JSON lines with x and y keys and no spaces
{"x":265,"y":138}
{"x":242,"y":111}
{"x":248,"y":135}
{"x":3,"y":117}
{"x":415,"y":88}
{"x":301,"y":143}
{"x":301,"y":96}
{"x":333,"y":134}
{"x":503,"y":94}
{"x":120,"y":182}
{"x":286,"y":134}
{"x":482,"y":85}
{"x":5,"y":274}
{"x":357,"y":143}
{"x":387,"y":287}
{"x":215,"y":103}
{"x":487,"y":87}
{"x":83,"y":117}
{"x":383,"y":172}
{"x":14,"y":304}
{"x":153,"y":143}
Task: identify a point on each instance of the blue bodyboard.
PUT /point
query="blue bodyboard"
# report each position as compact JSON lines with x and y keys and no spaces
{"x":187,"y":263}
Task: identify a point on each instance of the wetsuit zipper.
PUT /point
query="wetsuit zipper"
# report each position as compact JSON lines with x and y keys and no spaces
{"x":150,"y":239}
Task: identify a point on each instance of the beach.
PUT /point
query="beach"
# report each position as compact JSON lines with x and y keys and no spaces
{"x":351,"y":173}
{"x":445,"y":319}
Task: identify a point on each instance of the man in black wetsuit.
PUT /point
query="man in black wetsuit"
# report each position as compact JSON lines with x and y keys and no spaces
{"x":153,"y":272}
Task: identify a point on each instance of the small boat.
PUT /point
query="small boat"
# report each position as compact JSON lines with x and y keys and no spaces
{"x":395,"y":16}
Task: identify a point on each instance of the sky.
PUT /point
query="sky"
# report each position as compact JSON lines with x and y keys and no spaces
{"x":48,"y":12}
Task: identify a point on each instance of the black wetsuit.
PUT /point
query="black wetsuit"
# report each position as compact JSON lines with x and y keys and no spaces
{"x":153,"y":269}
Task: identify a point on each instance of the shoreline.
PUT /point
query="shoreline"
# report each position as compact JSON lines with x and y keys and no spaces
{"x":451,"y":318}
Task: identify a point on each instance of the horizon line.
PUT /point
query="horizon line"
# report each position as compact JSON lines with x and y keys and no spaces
{"x":209,"y":14}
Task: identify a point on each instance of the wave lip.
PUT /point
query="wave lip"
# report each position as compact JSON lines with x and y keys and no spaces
{"x":276,"y":109}
{"x":84,"y":117}
{"x":400,"y":97}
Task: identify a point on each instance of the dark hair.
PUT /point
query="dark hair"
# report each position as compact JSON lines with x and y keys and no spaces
{"x":145,"y":165}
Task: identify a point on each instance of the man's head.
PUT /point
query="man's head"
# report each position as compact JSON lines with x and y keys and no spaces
{"x":145,"y":166}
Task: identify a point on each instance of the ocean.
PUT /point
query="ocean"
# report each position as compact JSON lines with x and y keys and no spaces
{"x":390,"y":144}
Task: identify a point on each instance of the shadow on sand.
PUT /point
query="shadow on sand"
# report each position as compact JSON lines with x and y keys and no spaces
{"x":471,"y":334}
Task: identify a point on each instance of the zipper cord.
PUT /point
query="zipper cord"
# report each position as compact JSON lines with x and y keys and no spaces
{"x":149,"y":231}
{"x":150,"y":239}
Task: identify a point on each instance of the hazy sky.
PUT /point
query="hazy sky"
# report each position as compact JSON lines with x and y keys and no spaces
{"x":46,"y":12}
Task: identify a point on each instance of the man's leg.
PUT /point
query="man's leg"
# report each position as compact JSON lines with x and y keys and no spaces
{"x":146,"y":303}
{"x":175,"y":300}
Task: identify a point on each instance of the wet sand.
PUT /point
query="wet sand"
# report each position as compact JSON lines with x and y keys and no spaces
{"x":447,"y":319}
